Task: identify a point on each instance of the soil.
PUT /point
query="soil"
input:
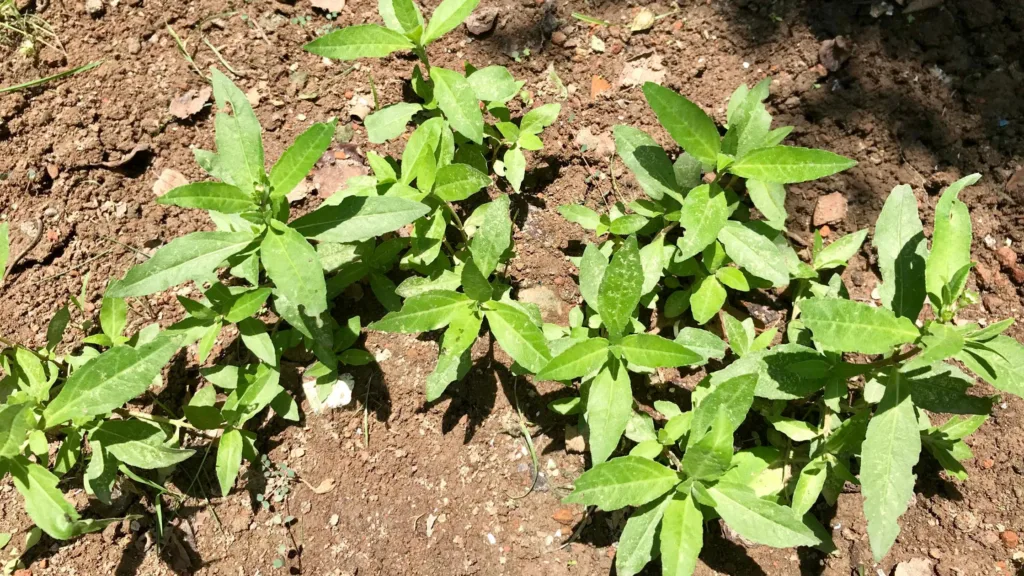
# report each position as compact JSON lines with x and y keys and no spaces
{"x":922,"y":99}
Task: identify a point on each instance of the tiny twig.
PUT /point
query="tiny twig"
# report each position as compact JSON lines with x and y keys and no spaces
{"x":56,"y":76}
{"x":256,"y":25}
{"x":31,"y":245}
{"x":373,"y":90}
{"x":73,"y":268}
{"x":221,"y":58}
{"x":123,"y":245}
{"x":529,"y":441}
{"x":184,"y":52}
{"x":579,"y":529}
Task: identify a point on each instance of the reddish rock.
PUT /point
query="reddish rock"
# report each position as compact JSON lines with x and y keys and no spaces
{"x":1007,"y":257}
{"x":988,"y":464}
{"x":825,"y":231}
{"x":1015,"y":185}
{"x":984,"y":274}
{"x":830,"y":209}
{"x":1010,"y":538}
{"x":558,"y":38}
{"x":563,"y":516}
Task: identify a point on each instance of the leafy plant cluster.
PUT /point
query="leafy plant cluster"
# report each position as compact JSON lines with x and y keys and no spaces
{"x":274,"y":280}
{"x":842,"y":395}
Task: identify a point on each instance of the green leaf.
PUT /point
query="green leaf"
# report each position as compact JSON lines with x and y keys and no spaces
{"x":707,"y":300}
{"x":253,"y":395}
{"x":577,"y":361}
{"x":515,"y":167}
{"x":848,"y":326}
{"x":704,"y":343}
{"x":518,"y":335}
{"x":760,"y":521}
{"x":653,"y":259}
{"x":655,"y":351}
{"x":703,"y":214}
{"x":114,"y":377}
{"x":400,"y":15}
{"x":238,"y":136}
{"x":636,"y":544}
{"x":592,"y":269}
{"x":625,"y":481}
{"x":494,"y":236}
{"x":688,"y":125}
{"x":474,"y":284}
{"x":113,"y":316}
{"x":770,"y":199}
{"x":951,"y":240}
{"x":453,"y":361}
{"x":795,"y":430}
{"x":1000,"y":362}
{"x":566,"y":406}
{"x":297,"y":161}
{"x":359,"y":218}
{"x":208,"y":340}
{"x":418,"y":159}
{"x":137,"y":443}
{"x":888,"y":456}
{"x":16,"y":421}
{"x":45,"y":504}
{"x":682,"y":536}
{"x":216,"y":196}
{"x":740,"y":334}
{"x":424,"y":312}
{"x":942,"y":388}
{"x":902,"y":250}
{"x":389,"y":122}
{"x":580,"y":215}
{"x":448,"y":15}
{"x":789,"y":164}
{"x":754,"y":253}
{"x":255,"y":337}
{"x":191,"y":257}
{"x":609,"y":401}
{"x":940,"y":342}
{"x":688,"y":171}
{"x":808,"y":486}
{"x":493,"y":84}
{"x":536,"y":120}
{"x":229,"y":459}
{"x":733,"y":397}
{"x":361,"y":41}
{"x":838,"y":253}
{"x":733,"y":278}
{"x":621,"y":286}
{"x":455,"y":98}
{"x":246,"y":304}
{"x":648,"y":161}
{"x":293,"y":266}
{"x":457,"y":182}
{"x":709,"y":457}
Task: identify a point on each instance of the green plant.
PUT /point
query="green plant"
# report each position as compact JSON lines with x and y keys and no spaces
{"x":266,"y":261}
{"x":815,"y":431}
{"x":698,"y":207}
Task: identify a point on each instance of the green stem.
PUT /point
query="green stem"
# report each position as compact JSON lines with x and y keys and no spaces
{"x":177,"y":423}
{"x":458,"y":221}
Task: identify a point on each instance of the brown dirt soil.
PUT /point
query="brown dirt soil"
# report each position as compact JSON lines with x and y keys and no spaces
{"x":922,"y":100}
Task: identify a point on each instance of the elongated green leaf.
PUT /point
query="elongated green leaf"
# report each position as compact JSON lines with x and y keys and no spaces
{"x":190,"y":257}
{"x":609,"y":401}
{"x":704,"y":343}
{"x":255,"y":337}
{"x":951,"y":240}
{"x":789,"y":164}
{"x":296,"y":162}
{"x":760,"y":521}
{"x":943,"y":388}
{"x":655,"y":351}
{"x":293,"y":266}
{"x":493,"y":237}
{"x":361,"y":41}
{"x":113,"y":316}
{"x":140,"y":444}
{"x":359,"y":218}
{"x":581,"y":215}
{"x":848,"y":326}
{"x":621,"y":287}
{"x":754,"y":253}
{"x":636,"y":545}
{"x":705,"y":211}
{"x":682,"y":536}
{"x":515,"y":167}
{"x":229,"y":459}
{"x":402,"y":16}
{"x":733,"y":397}
{"x":389,"y":122}
{"x":578,"y":360}
{"x":46,"y":505}
{"x":890,"y":451}
{"x":518,"y":335}
{"x":238,"y":135}
{"x":592,"y":269}
{"x":114,"y":377}
{"x":539,"y":118}
{"x":1000,"y":362}
{"x":457,"y":182}
{"x":709,"y":458}
{"x":770,"y":199}
{"x":625,"y":481}
{"x":15,"y":423}
{"x":902,"y":250}
{"x":448,"y":15}
{"x":456,"y":99}
{"x":493,"y":84}
{"x":215,"y":196}
{"x":424,"y":312}
{"x":453,"y":361}
{"x":707,"y":300}
{"x":648,"y":161}
{"x":688,"y":125}
{"x":839,"y":252}
{"x":808,"y":486}
{"x":940,"y":342}
{"x":418,"y":159}
{"x":246,"y":304}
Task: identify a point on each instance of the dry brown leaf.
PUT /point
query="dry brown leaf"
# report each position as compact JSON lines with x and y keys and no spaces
{"x":325,"y":486}
{"x":190,"y":103}
{"x":643,"y":20}
{"x":329,"y":5}
{"x":597,"y":86}
{"x":639,"y":72}
{"x":168,"y":180}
